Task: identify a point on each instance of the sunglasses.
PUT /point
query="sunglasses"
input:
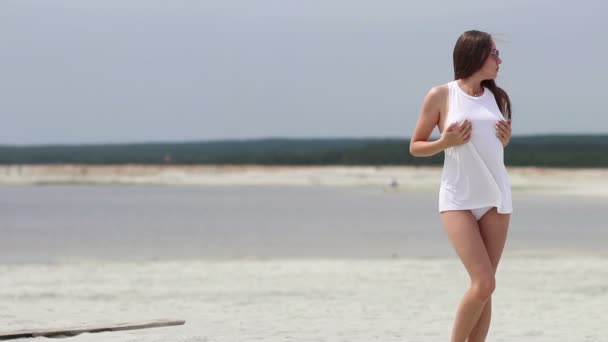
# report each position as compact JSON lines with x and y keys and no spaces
{"x":495,"y":53}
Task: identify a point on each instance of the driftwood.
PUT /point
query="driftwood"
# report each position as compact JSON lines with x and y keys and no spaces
{"x":86,"y":329}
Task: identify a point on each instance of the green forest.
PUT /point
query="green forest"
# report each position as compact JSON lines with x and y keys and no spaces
{"x":546,"y":151}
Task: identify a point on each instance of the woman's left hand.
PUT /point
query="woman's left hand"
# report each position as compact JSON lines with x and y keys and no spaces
{"x":503,"y":131}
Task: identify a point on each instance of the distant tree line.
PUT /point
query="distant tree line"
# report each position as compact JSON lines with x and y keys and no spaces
{"x":547,"y":151}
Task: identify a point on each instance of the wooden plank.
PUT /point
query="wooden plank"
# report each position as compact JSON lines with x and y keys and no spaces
{"x":90,"y":329}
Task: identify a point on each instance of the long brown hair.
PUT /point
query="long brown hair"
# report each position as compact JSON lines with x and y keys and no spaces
{"x":470,"y":53}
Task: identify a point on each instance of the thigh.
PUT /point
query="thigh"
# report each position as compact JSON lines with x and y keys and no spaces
{"x":464,"y":234}
{"x":493,"y":228}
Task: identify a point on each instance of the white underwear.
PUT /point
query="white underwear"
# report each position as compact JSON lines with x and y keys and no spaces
{"x":479,"y":212}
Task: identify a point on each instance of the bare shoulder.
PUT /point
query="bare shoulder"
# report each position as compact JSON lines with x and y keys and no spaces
{"x":431,"y":113}
{"x":438,"y":94}
{"x":436,"y":98}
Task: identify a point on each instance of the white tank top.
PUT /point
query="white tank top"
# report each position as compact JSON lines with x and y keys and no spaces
{"x":474,"y":174}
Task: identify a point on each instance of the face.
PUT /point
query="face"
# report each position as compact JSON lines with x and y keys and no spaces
{"x":492,"y":63}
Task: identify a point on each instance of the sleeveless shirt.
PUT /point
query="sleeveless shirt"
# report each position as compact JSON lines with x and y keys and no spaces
{"x":474,"y":174}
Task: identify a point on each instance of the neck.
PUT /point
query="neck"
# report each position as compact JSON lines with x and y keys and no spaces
{"x":471,"y":86}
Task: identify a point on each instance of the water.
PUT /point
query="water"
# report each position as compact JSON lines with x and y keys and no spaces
{"x":50,"y":223}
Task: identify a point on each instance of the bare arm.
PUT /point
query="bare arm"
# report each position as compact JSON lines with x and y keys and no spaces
{"x":455,"y":134}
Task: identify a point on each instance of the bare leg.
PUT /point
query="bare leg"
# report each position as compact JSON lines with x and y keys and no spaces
{"x":464,"y":233}
{"x":493,"y":228}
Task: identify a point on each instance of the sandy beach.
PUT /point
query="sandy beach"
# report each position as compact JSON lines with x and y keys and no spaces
{"x":537,"y":299}
{"x":586,"y":182}
{"x":325,"y":254}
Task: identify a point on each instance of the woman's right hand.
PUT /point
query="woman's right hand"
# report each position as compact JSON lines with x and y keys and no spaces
{"x":457,"y":133}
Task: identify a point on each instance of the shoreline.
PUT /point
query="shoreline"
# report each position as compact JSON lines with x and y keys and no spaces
{"x":584,"y":181}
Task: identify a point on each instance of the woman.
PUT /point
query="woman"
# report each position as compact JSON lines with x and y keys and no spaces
{"x":474,"y":118}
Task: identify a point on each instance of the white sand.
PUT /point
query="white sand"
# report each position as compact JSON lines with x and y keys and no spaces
{"x":588,"y":182}
{"x":537,"y":299}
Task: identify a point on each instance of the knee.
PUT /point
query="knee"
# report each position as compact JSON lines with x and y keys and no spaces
{"x":483,"y":287}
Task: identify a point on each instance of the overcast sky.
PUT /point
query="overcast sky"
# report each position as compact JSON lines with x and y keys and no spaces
{"x":144,"y":70}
